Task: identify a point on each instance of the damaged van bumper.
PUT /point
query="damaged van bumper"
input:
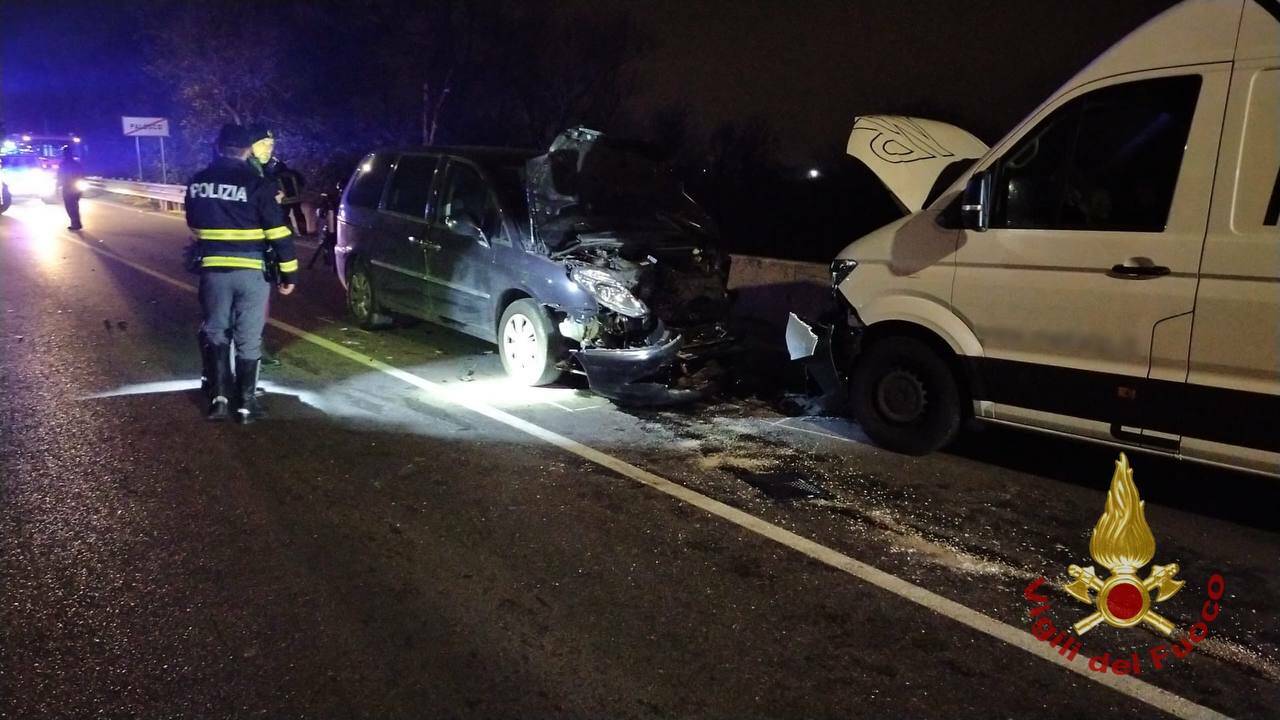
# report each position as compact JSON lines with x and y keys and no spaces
{"x":812,"y":344}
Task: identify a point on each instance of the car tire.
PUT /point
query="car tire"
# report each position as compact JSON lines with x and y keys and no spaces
{"x":529,"y":344}
{"x":362,"y":299}
{"x":905,"y":396}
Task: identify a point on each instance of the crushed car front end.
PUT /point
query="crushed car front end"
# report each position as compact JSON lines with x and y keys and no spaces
{"x":648,"y":258}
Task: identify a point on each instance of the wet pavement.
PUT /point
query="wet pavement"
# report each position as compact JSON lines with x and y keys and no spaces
{"x":381,"y":549}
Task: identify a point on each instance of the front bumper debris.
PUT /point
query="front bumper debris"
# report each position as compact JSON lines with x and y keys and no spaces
{"x":627,"y":375}
{"x":812,"y":344}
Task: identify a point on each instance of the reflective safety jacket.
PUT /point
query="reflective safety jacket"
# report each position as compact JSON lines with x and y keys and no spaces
{"x":233,"y":213}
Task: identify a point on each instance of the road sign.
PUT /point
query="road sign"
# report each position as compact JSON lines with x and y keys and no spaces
{"x":146,"y":126}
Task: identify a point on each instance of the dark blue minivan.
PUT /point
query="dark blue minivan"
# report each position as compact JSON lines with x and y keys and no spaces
{"x":588,"y":258}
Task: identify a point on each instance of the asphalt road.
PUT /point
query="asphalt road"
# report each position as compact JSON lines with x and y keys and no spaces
{"x":410,"y":536}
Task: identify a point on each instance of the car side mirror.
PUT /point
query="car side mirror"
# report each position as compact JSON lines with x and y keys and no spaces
{"x":975,"y":205}
{"x":466,"y":226}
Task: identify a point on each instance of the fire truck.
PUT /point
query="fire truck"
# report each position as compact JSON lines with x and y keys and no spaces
{"x":29,"y":166}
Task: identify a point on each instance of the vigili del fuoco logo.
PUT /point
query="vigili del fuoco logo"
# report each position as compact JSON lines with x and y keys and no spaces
{"x":1123,"y":544}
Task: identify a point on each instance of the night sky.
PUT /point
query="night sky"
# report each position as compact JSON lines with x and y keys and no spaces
{"x":806,"y":68}
{"x":810,"y":67}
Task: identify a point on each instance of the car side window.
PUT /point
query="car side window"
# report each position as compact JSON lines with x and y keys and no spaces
{"x":466,"y":194}
{"x":366,"y":185}
{"x":410,"y":188}
{"x":1107,"y":160}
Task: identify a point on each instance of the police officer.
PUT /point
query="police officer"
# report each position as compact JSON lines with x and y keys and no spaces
{"x":262,"y":160}
{"x":233,"y":214}
{"x":263,"y":149}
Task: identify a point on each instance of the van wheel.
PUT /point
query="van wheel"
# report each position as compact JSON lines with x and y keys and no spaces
{"x":362,"y":300}
{"x":905,"y":396}
{"x":529,"y":344}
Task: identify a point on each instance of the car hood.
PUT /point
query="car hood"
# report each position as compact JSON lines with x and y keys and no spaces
{"x":909,"y":154}
{"x":588,"y":184}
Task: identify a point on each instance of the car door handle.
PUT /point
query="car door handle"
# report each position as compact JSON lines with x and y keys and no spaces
{"x":424,"y":243}
{"x":1138,"y":272}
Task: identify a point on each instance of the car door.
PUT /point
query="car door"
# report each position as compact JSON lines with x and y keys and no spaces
{"x":1082,"y":290}
{"x":1232,"y":407}
{"x":459,"y":265}
{"x":358,"y":214}
{"x":403,"y":242}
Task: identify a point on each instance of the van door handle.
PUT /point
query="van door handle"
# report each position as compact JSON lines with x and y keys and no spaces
{"x":1138,"y":272}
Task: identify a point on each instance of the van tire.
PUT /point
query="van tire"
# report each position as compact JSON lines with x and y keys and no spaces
{"x":362,"y":299}
{"x":905,"y":396}
{"x":529,"y":344}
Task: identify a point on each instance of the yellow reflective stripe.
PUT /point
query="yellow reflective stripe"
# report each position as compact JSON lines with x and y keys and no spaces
{"x":229,"y":234}
{"x":289,"y":266}
{"x":228,"y":261}
{"x":276,"y":233}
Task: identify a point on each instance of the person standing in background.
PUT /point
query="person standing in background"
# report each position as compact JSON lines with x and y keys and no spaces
{"x":70,"y":181}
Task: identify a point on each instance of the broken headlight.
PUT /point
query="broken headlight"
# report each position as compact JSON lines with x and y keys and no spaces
{"x":840,"y":269}
{"x":609,"y":291}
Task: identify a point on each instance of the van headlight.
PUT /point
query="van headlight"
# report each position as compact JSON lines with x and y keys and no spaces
{"x":81,"y":185}
{"x":609,"y":291}
{"x":840,"y":269}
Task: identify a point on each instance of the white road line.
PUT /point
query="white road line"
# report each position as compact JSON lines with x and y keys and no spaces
{"x":1017,"y":637}
{"x":574,"y":410}
{"x":782,"y":424}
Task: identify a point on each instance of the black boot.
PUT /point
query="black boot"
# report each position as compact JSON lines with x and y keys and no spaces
{"x":206,"y":366}
{"x":248,"y":409}
{"x":221,"y":386}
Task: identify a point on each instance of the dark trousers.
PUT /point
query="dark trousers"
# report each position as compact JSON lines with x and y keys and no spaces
{"x":235,"y":306}
{"x":72,"y":203}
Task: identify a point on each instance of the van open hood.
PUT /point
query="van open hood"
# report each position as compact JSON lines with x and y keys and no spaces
{"x":909,"y":154}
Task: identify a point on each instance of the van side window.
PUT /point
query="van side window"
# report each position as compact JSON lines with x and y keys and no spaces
{"x":467,"y":194}
{"x":410,"y":188}
{"x":366,"y":185}
{"x":1107,"y":160}
{"x":1256,"y":205}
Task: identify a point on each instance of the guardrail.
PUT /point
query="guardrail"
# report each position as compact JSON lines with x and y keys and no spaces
{"x":172,"y":197}
{"x":165,"y":194}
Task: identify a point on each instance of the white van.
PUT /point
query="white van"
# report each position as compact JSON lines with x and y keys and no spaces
{"x":1110,"y":270}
